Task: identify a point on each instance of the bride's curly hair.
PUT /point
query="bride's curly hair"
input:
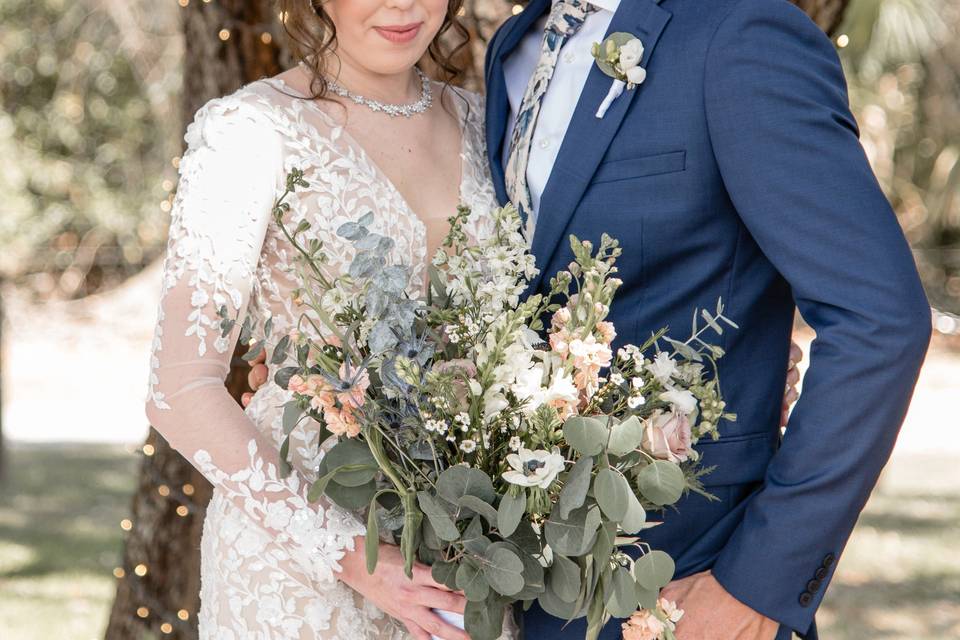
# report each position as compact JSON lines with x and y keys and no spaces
{"x":313,"y":36}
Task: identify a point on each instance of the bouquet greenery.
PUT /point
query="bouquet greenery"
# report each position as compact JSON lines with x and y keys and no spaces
{"x":519,"y":459}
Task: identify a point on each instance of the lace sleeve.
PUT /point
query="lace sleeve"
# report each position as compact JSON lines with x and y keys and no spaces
{"x":230,"y":174}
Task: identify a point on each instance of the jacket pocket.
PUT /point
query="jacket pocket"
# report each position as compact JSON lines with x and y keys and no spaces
{"x":738,"y":459}
{"x":627,"y":168}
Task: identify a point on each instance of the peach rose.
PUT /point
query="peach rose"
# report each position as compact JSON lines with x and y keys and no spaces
{"x":667,"y":436}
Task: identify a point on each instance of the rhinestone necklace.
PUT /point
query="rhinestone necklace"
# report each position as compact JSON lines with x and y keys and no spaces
{"x":393,"y":110}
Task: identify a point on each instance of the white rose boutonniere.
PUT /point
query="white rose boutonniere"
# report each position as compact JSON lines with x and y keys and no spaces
{"x":619,"y":57}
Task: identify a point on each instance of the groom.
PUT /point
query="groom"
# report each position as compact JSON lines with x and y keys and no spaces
{"x":734,"y":170}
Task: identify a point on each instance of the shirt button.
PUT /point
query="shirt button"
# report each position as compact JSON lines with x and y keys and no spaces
{"x":544,"y":144}
{"x":569,"y":57}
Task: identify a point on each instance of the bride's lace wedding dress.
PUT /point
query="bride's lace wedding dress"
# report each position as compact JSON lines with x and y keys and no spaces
{"x":269,"y":556}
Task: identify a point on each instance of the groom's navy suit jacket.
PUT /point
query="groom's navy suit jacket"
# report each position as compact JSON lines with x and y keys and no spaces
{"x":736,"y":171}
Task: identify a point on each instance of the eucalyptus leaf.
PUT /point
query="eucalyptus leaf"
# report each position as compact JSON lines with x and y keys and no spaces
{"x":445,"y":573}
{"x":661,"y":482}
{"x":291,"y":415}
{"x":572,"y":536}
{"x":353,"y":462}
{"x":285,"y":467}
{"x":471,"y":581}
{"x":366,"y":219}
{"x":351,"y":498}
{"x":483,"y":620}
{"x":552,"y":603}
{"x":282,"y":377}
{"x":564,"y":578}
{"x":635,"y":519}
{"x":586,"y":434}
{"x":621,"y":594}
{"x":647,"y":598}
{"x":654,"y":570}
{"x":510,"y":512}
{"x":473,"y":504}
{"x":440,"y":519}
{"x":280,"y":351}
{"x":351,"y":231}
{"x":610,"y":489}
{"x":533,"y":575}
{"x":503,"y":569}
{"x":458,"y":481}
{"x":575,"y":486}
{"x":626,"y":436}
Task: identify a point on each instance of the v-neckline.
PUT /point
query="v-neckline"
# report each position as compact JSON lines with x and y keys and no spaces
{"x":462,"y":125}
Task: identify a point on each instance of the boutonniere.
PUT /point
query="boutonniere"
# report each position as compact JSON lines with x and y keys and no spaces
{"x":619,"y":57}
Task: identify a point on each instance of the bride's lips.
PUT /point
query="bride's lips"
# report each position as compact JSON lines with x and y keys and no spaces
{"x":400,"y":33}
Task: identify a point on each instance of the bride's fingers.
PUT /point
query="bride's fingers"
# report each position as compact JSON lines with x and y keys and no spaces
{"x":415,"y":630}
{"x":443,"y":600}
{"x":437,"y":626}
{"x":423,"y":576}
{"x":246,"y":398}
{"x":257,"y":376}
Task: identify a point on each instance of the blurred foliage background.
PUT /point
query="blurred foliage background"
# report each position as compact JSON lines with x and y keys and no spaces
{"x":88,"y":126}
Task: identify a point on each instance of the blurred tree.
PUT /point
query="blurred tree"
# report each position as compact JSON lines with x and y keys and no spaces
{"x":84,"y":110}
{"x":229,"y":43}
{"x":903,"y":66}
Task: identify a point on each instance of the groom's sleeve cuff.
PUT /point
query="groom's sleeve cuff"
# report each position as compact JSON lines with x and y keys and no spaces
{"x":788,"y":596}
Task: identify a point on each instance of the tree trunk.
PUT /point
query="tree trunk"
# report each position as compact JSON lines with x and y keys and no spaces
{"x":230,"y":43}
{"x":225,"y":48}
{"x":828,"y":14}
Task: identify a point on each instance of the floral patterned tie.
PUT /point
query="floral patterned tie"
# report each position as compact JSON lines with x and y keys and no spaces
{"x":565,"y":20}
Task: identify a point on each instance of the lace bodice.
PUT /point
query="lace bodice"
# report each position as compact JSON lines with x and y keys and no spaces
{"x":268,"y":552}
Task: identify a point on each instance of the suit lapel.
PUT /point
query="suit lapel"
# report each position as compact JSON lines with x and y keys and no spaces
{"x":588,"y":137}
{"x":498,"y":104}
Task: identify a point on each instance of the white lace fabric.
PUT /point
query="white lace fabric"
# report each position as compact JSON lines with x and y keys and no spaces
{"x":269,"y":557}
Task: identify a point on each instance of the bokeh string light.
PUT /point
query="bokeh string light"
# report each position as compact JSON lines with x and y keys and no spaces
{"x":149,"y":608}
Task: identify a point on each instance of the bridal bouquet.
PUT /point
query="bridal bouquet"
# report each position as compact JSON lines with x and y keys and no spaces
{"x":520,"y":459}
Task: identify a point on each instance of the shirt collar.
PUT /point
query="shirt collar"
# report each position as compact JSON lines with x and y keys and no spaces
{"x":606,"y":5}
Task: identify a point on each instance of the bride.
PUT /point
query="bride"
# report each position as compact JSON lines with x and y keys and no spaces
{"x":273,"y":564}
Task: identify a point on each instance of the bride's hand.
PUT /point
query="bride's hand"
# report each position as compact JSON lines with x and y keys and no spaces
{"x":409,"y":601}
{"x":793,"y":378}
{"x":256,"y":377}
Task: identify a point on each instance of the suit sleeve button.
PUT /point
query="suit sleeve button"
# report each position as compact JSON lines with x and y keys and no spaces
{"x":805,"y":599}
{"x":821,"y":573}
{"x":828,"y":560}
{"x":813,"y":586}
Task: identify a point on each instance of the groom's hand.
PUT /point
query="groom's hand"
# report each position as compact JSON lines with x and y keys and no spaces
{"x":710,"y":613}
{"x":793,"y":378}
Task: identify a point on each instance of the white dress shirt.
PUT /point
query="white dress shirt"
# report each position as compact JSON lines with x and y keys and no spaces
{"x":562,"y":95}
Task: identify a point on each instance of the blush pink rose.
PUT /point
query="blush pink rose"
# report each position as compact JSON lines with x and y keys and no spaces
{"x":668,"y":436}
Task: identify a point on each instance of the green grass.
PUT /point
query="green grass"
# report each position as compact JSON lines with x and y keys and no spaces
{"x":60,"y":539}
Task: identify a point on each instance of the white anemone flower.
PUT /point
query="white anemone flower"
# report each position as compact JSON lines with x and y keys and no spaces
{"x":681,"y":399}
{"x":534,"y":468}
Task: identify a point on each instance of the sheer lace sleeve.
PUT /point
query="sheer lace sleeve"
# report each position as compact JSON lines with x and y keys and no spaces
{"x":230,"y":176}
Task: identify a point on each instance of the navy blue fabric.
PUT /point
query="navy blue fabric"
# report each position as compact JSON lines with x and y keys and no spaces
{"x":735,"y":171}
